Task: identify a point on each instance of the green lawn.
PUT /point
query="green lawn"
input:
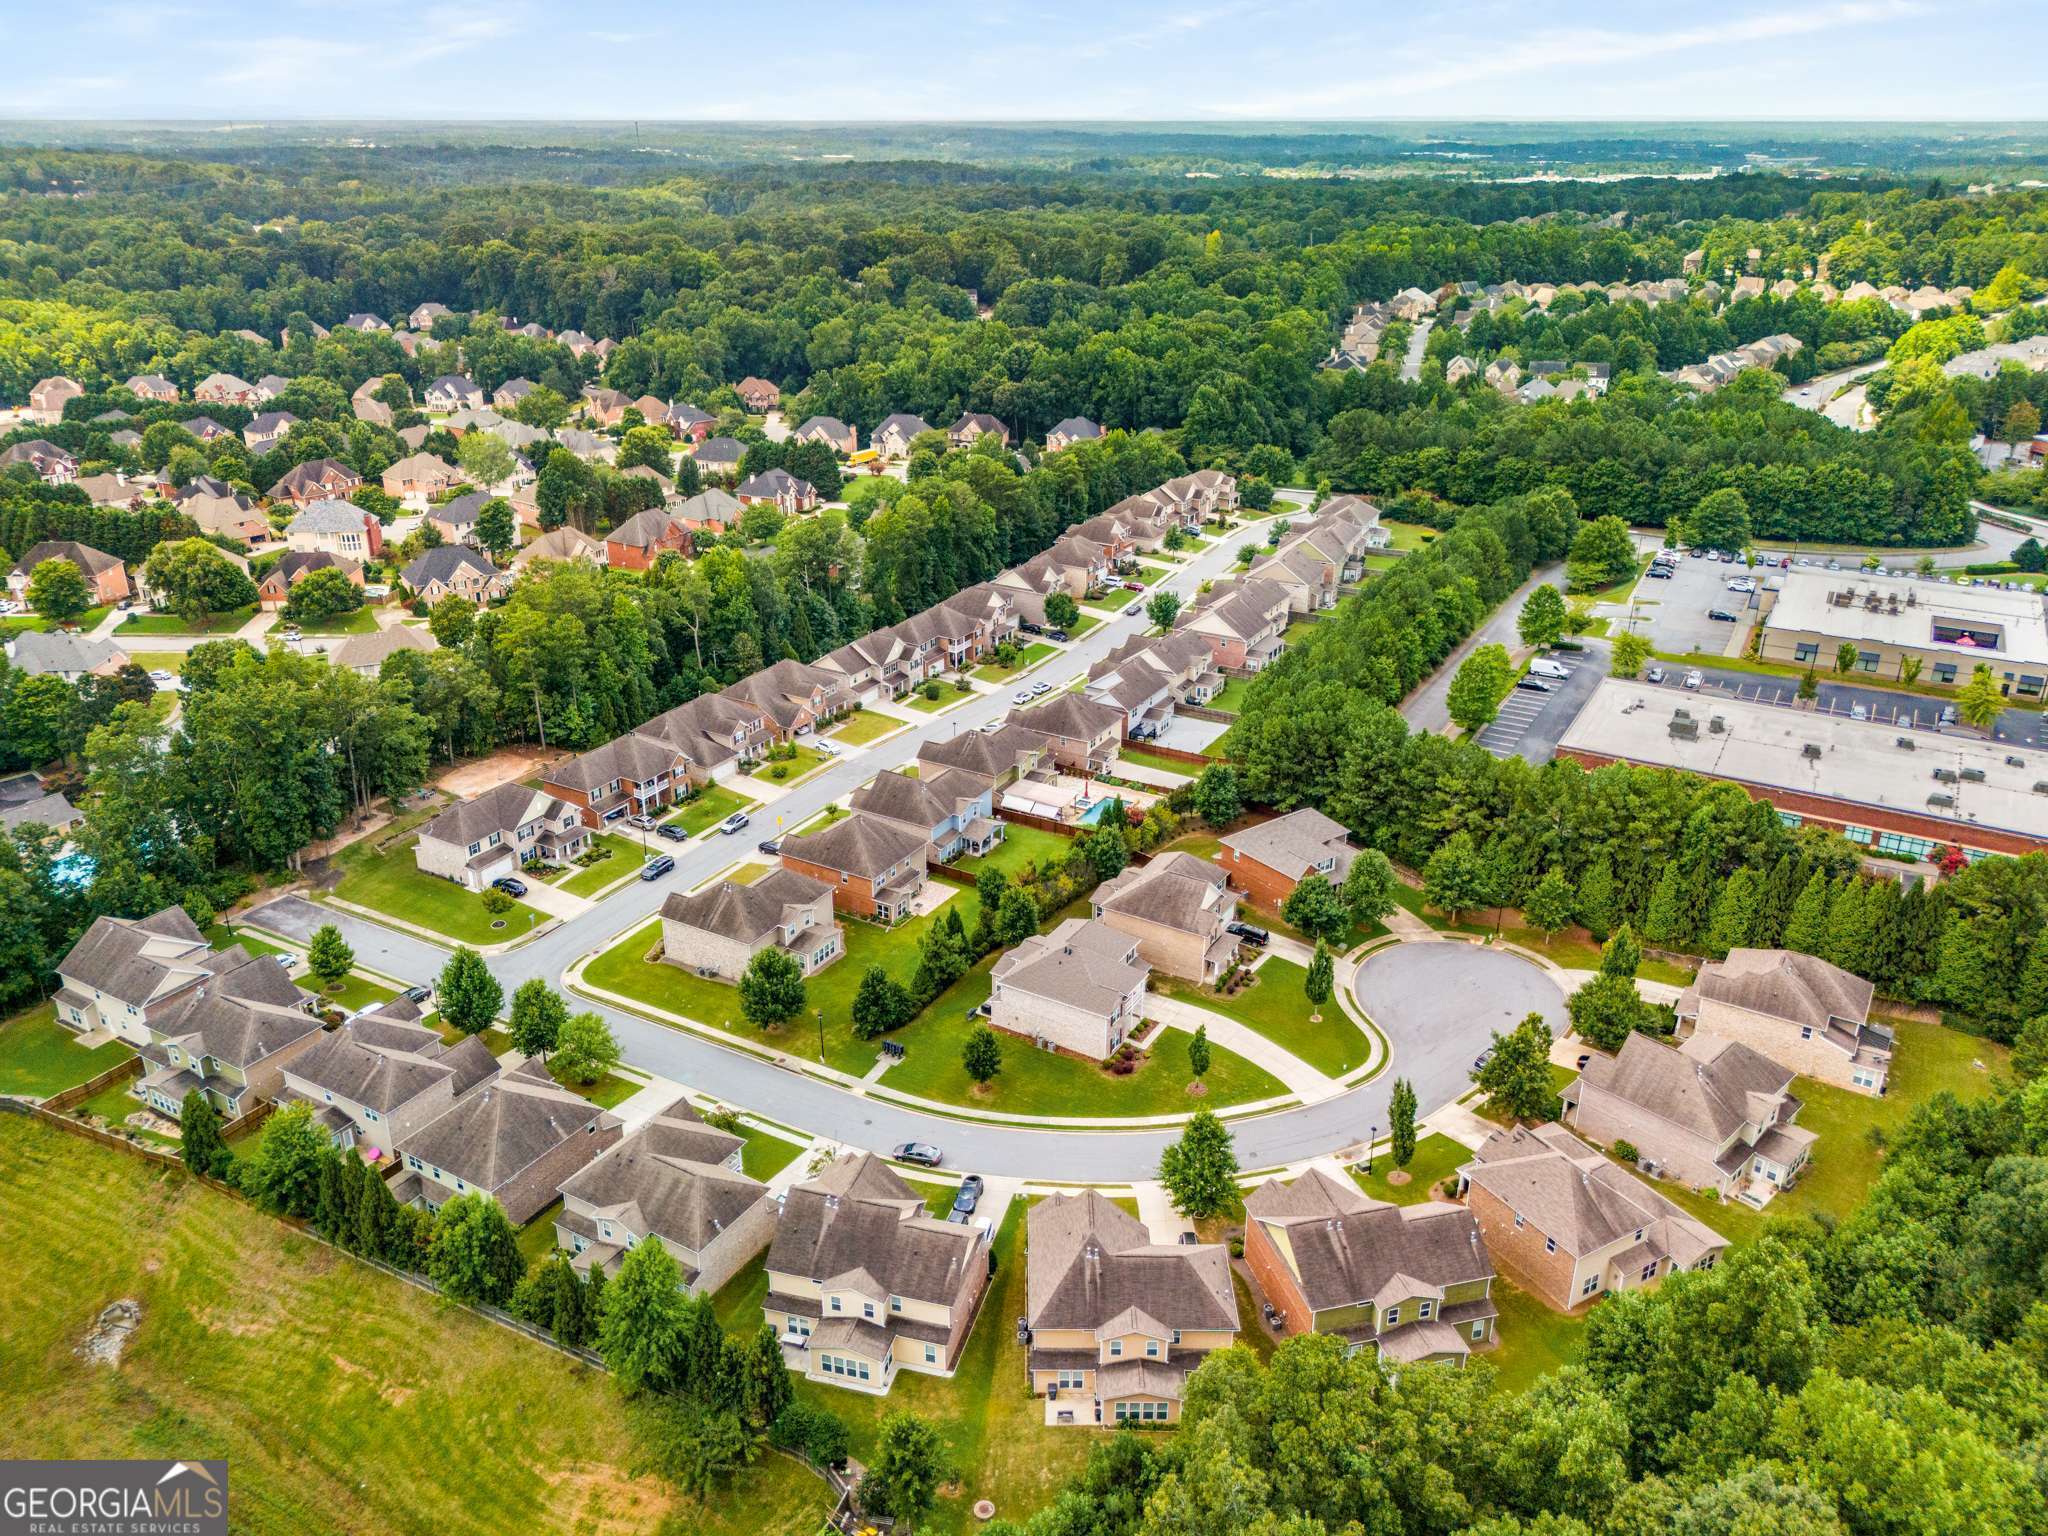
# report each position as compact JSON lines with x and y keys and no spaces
{"x":362,"y":621}
{"x":1276,"y":1007}
{"x":1534,"y":1341}
{"x":114,"y":1103}
{"x":382,"y":1408}
{"x":22,"y":623}
{"x":1408,"y":536}
{"x":746,"y":874}
{"x":1409,"y":899}
{"x":351,"y":994}
{"x":172,"y":624}
{"x":219,"y":937}
{"x":709,"y":807}
{"x":625,"y":857}
{"x":830,"y":816}
{"x":1021,"y":846}
{"x":40,"y":1057}
{"x":608,"y":1092}
{"x":1436,"y":1157}
{"x":392,"y":884}
{"x":1560,"y":1078}
{"x":767,"y":1154}
{"x":498,"y":1041}
{"x":869,"y":725}
{"x":948,"y":697}
{"x":1172,"y":765}
{"x":158,"y":661}
{"x":1032,"y":655}
{"x":807,"y":761}
{"x":1231,"y":700}
{"x":1082,"y":625}
{"x":1576,"y":950}
{"x":537,"y":1237}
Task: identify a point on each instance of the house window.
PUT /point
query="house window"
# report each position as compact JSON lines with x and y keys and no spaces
{"x":1427,"y":1308}
{"x":931,"y":1354}
{"x":835,"y":1303}
{"x":1649,"y":1272}
{"x":1944,"y":671}
{"x":1866,"y":661}
{"x":1550,"y":1245}
{"x":1116,"y":1347}
{"x":1518,"y":1221}
{"x":1152,"y":1349}
{"x":867,"y":1310}
{"x":895,"y":1303}
{"x":1176,"y":1335}
{"x":1806,"y":1031}
{"x":1592,"y":1284}
{"x":1863,"y":1079}
{"x":1393,"y":1316}
{"x":1071,"y":1380}
{"x":369,"y":1114}
{"x":1639,"y":1234}
{"x":1479,"y":1329}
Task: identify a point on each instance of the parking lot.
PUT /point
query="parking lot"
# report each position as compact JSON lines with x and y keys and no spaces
{"x":1530,"y":723}
{"x":1675,"y":619}
{"x":1887,"y":707}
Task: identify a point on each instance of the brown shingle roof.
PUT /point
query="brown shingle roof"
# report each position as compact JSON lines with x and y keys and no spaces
{"x":1784,"y":984}
{"x":1707,"y":1086}
{"x":859,"y":845}
{"x":502,"y":1125}
{"x":745,"y":912}
{"x":1347,"y":1249}
{"x":859,"y":1216}
{"x":668,"y":1179}
{"x":1088,"y":1260}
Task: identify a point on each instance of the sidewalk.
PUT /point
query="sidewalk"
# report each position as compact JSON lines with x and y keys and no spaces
{"x":1155,"y":1209}
{"x":1301,"y":1079}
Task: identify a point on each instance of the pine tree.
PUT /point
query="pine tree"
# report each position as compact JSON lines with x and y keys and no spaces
{"x":1848,"y":930}
{"x":1401,"y":1122}
{"x":1887,"y":958}
{"x":1622,"y":955}
{"x":375,"y":1209}
{"x":1660,"y":923}
{"x":1806,"y":930}
{"x":1696,"y":892}
{"x":2032,"y":993}
{"x":1320,"y":982}
{"x":329,"y":1203}
{"x":1596,"y":898}
{"x":199,"y":1142}
{"x":1774,"y":904}
{"x":766,"y":1388}
{"x":1734,"y":912}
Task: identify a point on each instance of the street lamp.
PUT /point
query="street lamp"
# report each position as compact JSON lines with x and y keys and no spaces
{"x":1369,"y":1140}
{"x":819,"y":1014}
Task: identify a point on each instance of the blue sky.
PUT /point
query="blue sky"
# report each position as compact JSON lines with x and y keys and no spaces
{"x":1085,"y":59}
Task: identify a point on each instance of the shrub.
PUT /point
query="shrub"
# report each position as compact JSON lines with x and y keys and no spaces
{"x":1237,"y":1247}
{"x":1625,"y":1152}
{"x":496,"y":902}
{"x":779,"y":771}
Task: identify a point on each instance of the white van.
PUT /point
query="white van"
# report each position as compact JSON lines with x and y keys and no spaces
{"x":1543,"y":666}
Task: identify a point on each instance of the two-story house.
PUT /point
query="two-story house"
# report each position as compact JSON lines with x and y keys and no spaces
{"x":1118,"y":1322}
{"x":106,"y":578}
{"x":453,"y":392}
{"x":274,"y":590}
{"x":1797,"y":1010}
{"x":365,"y":654}
{"x":1179,"y":909}
{"x":893,"y":437}
{"x":950,"y":809}
{"x":1307,"y":575}
{"x":418,"y":477}
{"x":266,"y":431}
{"x":153,"y":387}
{"x":1205,"y":494}
{"x":717,"y":930}
{"x":475,"y":842}
{"x":516,"y":1136}
{"x":339,"y":528}
{"x":778,"y":488}
{"x":758,"y":394}
{"x":1710,"y":1112}
{"x":224,"y":389}
{"x":1075,"y":429}
{"x":1410,"y":1282}
{"x":1148,"y":678}
{"x":832,"y":432}
{"x":714,"y":735}
{"x":383,"y":1076}
{"x":1080,"y":988}
{"x":48,"y":397}
{"x":794,"y":695}
{"x":53,"y":466}
{"x":1566,"y":1224}
{"x":454,"y":570}
{"x":711,"y":510}
{"x":315,"y":480}
{"x":232,"y":1048}
{"x":974,"y":425}
{"x":1081,"y":734}
{"x":126,"y":975}
{"x":1002,"y":755}
{"x":1243,"y":623}
{"x":875,"y":868}
{"x":675,"y":1181}
{"x":631,"y":775}
{"x":1268,"y":859}
{"x":862,"y":1283}
{"x":644,"y":537}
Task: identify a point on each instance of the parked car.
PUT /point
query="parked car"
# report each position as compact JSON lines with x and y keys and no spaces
{"x":1859,"y":711}
{"x":969,"y":1196}
{"x":657,"y":866}
{"x":1655,"y":674}
{"x":923,"y":1153}
{"x":1134,"y":586}
{"x":1556,"y":671}
{"x":771,"y":845}
{"x":642,"y":822}
{"x":1040,"y":688}
{"x":509,"y":885}
{"x":828,"y":748}
{"x":420,"y":995}
{"x":1056,"y":634}
{"x":1948,"y":714}
{"x":1722,"y":615}
{"x":1021,"y":696}
{"x":1694,"y":554}
{"x":1479,"y":1062}
{"x":1534,"y":685}
{"x":1660,"y":573}
{"x":672,"y":831}
{"x":1694,"y":678}
{"x":1741,"y":584}
{"x":1253,"y":936}
{"x":736,"y":822}
{"x":1030,"y":628}
{"x":164,"y":679}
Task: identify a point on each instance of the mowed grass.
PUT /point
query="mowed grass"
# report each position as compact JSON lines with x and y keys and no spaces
{"x":1164,"y":764}
{"x":806,"y":762}
{"x":1029,"y":657}
{"x":361,"y":622}
{"x":712,"y":805}
{"x":351,"y":994}
{"x":1276,"y":1006}
{"x":158,"y":661}
{"x":869,"y":725}
{"x":390,"y":883}
{"x":343,"y":1398}
{"x":173,"y":624}
{"x":1231,"y":700}
{"x":1577,"y":950}
{"x":1021,"y":846}
{"x":625,"y":859}
{"x":1533,"y":1340}
{"x":948,"y":697}
{"x":1436,"y":1158}
{"x":766,"y":1154}
{"x":40,"y":1057}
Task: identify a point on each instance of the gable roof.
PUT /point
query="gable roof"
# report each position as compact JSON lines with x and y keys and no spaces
{"x":60,"y":650}
{"x":1175,"y":890}
{"x":443,"y":563}
{"x":1785,"y":984}
{"x":1082,"y":963}
{"x":858,"y":845}
{"x":860,"y":1224}
{"x":1707,"y":1086}
{"x":503,"y":1125}
{"x":498,"y":809}
{"x":1346,"y":1249}
{"x":369,"y":650}
{"x":1571,"y":1193}
{"x":328,"y":517}
{"x":1071,"y":715}
{"x":89,"y":560}
{"x":746,"y":913}
{"x":631,"y":756}
{"x":1090,"y":1264}
{"x":721,"y":450}
{"x":383,"y":1064}
{"x":1295,"y":843}
{"x":667,"y":1179}
{"x":989,"y":753}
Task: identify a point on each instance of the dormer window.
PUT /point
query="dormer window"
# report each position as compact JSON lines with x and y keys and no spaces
{"x":1116,"y":1348}
{"x":835,"y":1303}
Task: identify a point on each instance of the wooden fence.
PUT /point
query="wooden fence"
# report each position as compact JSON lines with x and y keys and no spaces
{"x":1174,"y":754}
{"x":71,"y":1097}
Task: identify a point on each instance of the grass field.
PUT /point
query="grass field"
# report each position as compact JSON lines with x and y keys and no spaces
{"x":1575,"y":950}
{"x":537,"y":1237}
{"x":869,"y":725}
{"x":1032,"y":655}
{"x":1021,"y":846}
{"x":608,"y":1092}
{"x":1231,"y":700}
{"x":172,"y":624}
{"x":1534,"y":1341}
{"x":158,"y":661}
{"x":1409,"y":536}
{"x":711,"y":805}
{"x":361,"y":622}
{"x":807,"y":761}
{"x":1409,"y":899}
{"x":113,"y":1104}
{"x":497,"y":1039}
{"x":40,"y":1057}
{"x":21,"y":623}
{"x":832,"y":815}
{"x":392,"y":884}
{"x":766,"y":1154}
{"x":948,"y":697}
{"x":592,"y":878}
{"x":1275,"y":1006}
{"x":344,"y":1399}
{"x":1174,"y":765}
{"x":220,"y":938}
{"x":351,"y":993}
{"x":1436,"y":1157}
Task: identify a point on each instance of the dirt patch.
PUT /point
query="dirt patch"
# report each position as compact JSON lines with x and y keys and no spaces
{"x":396,"y":1396}
{"x":1400,"y":1176}
{"x":214,"y":1321}
{"x":1197,"y":1090}
{"x":507,"y":766}
{"x":108,"y":1336}
{"x":599,"y":1500}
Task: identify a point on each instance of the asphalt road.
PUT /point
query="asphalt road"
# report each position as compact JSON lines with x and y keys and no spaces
{"x":1427,"y":708}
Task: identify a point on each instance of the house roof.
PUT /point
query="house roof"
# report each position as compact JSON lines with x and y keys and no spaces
{"x":979,"y":420}
{"x":1347,"y":1249}
{"x":831,"y":426}
{"x":921,"y":802}
{"x":328,"y":517}
{"x":1082,"y":963}
{"x":858,"y":845}
{"x":423,"y":466}
{"x":746,"y":913}
{"x":644,"y":530}
{"x":312,"y":476}
{"x":1175,"y":890}
{"x":443,"y":563}
{"x":721,"y":450}
{"x":269,"y":424}
{"x":49,"y":810}
{"x":384,"y":1064}
{"x":668,"y":1179}
{"x":1088,"y":1261}
{"x":40,"y":651}
{"x":859,"y":1217}
{"x":1708,"y":1086}
{"x":990,"y":753}
{"x":1574,"y":1195}
{"x":714,"y":504}
{"x":370,"y":650}
{"x":503,"y":1125}
{"x":1784,"y":984}
{"x":1295,"y":843}
{"x":1070,"y":715}
{"x":133,"y":958}
{"x":563,"y":543}
{"x":900,"y":421}
{"x":498,"y":809}
{"x":631,"y":756}
{"x":460,"y":511}
{"x":775,"y":482}
{"x":1075,"y":427}
{"x":89,"y":560}
{"x":236,"y":1030}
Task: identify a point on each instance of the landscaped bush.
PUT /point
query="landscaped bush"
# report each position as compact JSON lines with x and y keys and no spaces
{"x":496,"y":902}
{"x":1122,"y":1061}
{"x":779,"y":771}
{"x":1625,"y":1152}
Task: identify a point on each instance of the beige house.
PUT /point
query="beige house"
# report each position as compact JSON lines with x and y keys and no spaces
{"x":419,"y":476}
{"x":338,"y":528}
{"x":366,"y":654}
{"x":234,"y":1049}
{"x":516,"y":1136}
{"x":1118,"y":1322}
{"x":1711,"y":1113}
{"x":48,"y":397}
{"x":1080,"y":987}
{"x":454,"y":570}
{"x":717,"y":930}
{"x":948,"y":808}
{"x":676,"y":1181}
{"x":1003,"y":756}
{"x":863,"y":1283}
{"x":1179,"y":909}
{"x":1081,"y":734}
{"x":1798,"y":1010}
{"x":476,"y":842}
{"x":383,"y":1076}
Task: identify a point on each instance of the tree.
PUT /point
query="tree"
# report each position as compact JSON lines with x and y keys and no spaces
{"x":1809,"y":686}
{"x":1106,"y":851}
{"x":1548,"y":906}
{"x":538,"y":1014}
{"x":1734,"y":911}
{"x":765,"y":1389}
{"x":475,"y":1254}
{"x":285,"y":1172}
{"x":1909,"y":669}
{"x":1980,"y":702}
{"x":321,"y":595}
{"x":1807,"y":928}
{"x":2029,"y":556}
{"x":909,"y":1464}
{"x":771,"y":988}
{"x":1627,"y":654}
{"x":585,"y":1051}
{"x":1481,"y":682}
{"x":882,"y":1004}
{"x":1162,"y":608}
{"x":1596,"y":898}
{"x":1401,"y":1121}
{"x":486,"y":459}
{"x":2022,"y":423}
{"x":641,"y":1334}
{"x":982,"y":1054}
{"x":1453,"y":880}
{"x":1719,"y":520}
{"x":468,"y":994}
{"x":1315,"y":908}
{"x":1602,"y":553}
{"x":57,"y":590}
{"x":1198,"y":1052}
{"x":1061,"y":611}
{"x":696,"y":1448}
{"x":1516,"y":1076}
{"x":1621,"y":955}
{"x":199,"y":1140}
{"x":194,"y":579}
{"x":1016,"y":918}
{"x":1200,"y":1170}
{"x":452,"y":620}
{"x":1319,"y":983}
{"x":1542,"y":617}
{"x":328,"y":956}
{"x":1369,"y":887}
{"x":496,"y":528}
{"x":1217,"y":795}
{"x":1605,"y":1010}
{"x":1845,"y":659}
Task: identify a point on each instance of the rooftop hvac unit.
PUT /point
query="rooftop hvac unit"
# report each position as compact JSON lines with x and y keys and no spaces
{"x":1945,"y":775}
{"x":1943,"y":802}
{"x":1908,"y":743}
{"x":1811,"y":750}
{"x":1973,"y":775}
{"x":1912,"y":600}
{"x":2015,"y":762}
{"x":1716,"y":725}
{"x":1684,"y":727}
{"x":2041,"y":786}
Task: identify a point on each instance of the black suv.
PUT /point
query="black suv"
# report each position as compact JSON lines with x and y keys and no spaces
{"x":1249,"y":934}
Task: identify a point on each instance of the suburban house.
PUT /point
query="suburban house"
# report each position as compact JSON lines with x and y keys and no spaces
{"x":454,"y":569}
{"x":1710,"y":1113}
{"x":1797,"y":1010}
{"x":720,"y":455}
{"x":1179,"y":910}
{"x":757,"y":394}
{"x":1147,"y":679}
{"x":1308,"y":575}
{"x":588,"y":446}
{"x":636,"y":774}
{"x":718,"y":929}
{"x":364,"y":322}
{"x":367,"y":407}
{"x":644,"y":537}
{"x":606,"y":407}
{"x":893,"y":437}
{"x":863,"y":1283}
{"x":972,"y":425}
{"x":1081,"y":733}
{"x":336,"y":528}
{"x":1567,"y":1225}
{"x":271,"y":385}
{"x":832,"y":432}
{"x":366,"y":654}
{"x":516,"y":1136}
{"x":232,"y":516}
{"x":794,"y":695}
{"x":689,"y":423}
{"x":106,"y":578}
{"x":676,"y":1181}
{"x":455,"y":519}
{"x":1270,"y":858}
{"x":48,"y":397}
{"x":452,"y":392}
{"x":66,"y":654}
{"x":1412,"y":1283}
{"x":1242,"y":621}
{"x":1117,"y":1323}
{"x":418,"y":477}
{"x":205,"y":428}
{"x":1117,"y":539}
{"x":383,"y":1076}
{"x":713,"y":734}
{"x":1002,"y":756}
{"x":778,"y":487}
{"x":264,"y":432}
{"x":874,"y":867}
{"x":511,"y":392}
{"x":53,"y":466}
{"x":1080,"y":988}
{"x":499,"y":832}
{"x":25,"y":803}
{"x":950,"y":809}
{"x":315,"y":480}
{"x":127,"y":974}
{"x":713,"y":508}
{"x":117,"y":490}
{"x":424,"y":315}
{"x":1075,"y":429}
{"x":1205,"y":494}
{"x":294,"y":566}
{"x":231,"y":1047}
{"x":563,"y":543}
{"x":224,"y":389}
{"x":152,"y":386}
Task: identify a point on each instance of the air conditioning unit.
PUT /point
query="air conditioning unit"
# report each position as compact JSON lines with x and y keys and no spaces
{"x":1973,"y":775}
{"x":2015,"y":762}
{"x":1908,"y":743}
{"x":1716,"y":725}
{"x":1942,"y":802}
{"x":1944,"y":775}
{"x":1811,"y":751}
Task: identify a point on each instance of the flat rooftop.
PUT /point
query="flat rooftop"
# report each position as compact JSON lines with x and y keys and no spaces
{"x":1857,"y":762}
{"x":1987,"y":624}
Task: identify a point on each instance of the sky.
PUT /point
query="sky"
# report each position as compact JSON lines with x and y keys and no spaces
{"x":1180,"y":60}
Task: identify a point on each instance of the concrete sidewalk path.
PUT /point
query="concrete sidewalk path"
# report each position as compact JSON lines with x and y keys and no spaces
{"x":1302,"y":1080}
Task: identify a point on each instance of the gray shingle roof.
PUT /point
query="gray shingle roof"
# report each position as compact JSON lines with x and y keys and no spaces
{"x":1708,"y":1086}
{"x":1571,"y":1193}
{"x":502,"y":1125}
{"x":38,"y":651}
{"x":1295,"y":843}
{"x":667,"y":1178}
{"x":632,"y":756}
{"x":498,"y":809}
{"x":1082,"y":963}
{"x":89,"y":560}
{"x":443,"y":563}
{"x":745,"y":912}
{"x":328,"y":517}
{"x":384,"y":1066}
{"x":859,"y":1216}
{"x":989,"y":753}
{"x":1176,"y":890}
{"x":1088,"y":1260}
{"x":859,"y":845}
{"x":1784,"y":984}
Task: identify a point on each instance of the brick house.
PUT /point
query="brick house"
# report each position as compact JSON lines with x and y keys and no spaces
{"x":644,"y":537}
{"x":1075,"y":429}
{"x":712,"y":735}
{"x":106,"y":578}
{"x":224,"y":389}
{"x":973,"y":425}
{"x":383,"y":1076}
{"x":874,"y":867}
{"x":315,"y":480}
{"x":454,"y":570}
{"x":1568,"y":1226}
{"x":757,"y":394}
{"x":294,"y":566}
{"x":336,"y":528}
{"x":152,"y":386}
{"x":636,"y":774}
{"x":1243,"y":622}
{"x":516,"y":1136}
{"x":1179,"y":909}
{"x":778,"y":487}
{"x":1412,"y":1283}
{"x":498,"y":833}
{"x":1080,"y":987}
{"x":793,"y":695}
{"x":48,"y":397}
{"x":712,"y":509}
{"x":1081,"y":733}
{"x":53,"y":466}
{"x":718,"y":929}
{"x":1796,"y":1009}
{"x":1269,"y":859}
{"x":418,"y":477}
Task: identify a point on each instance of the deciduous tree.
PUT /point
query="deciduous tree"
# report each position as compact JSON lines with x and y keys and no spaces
{"x":538,"y":1014}
{"x":981,"y":1055}
{"x":475,"y":1253}
{"x":328,"y":955}
{"x":1200,"y":1170}
{"x":585,"y":1051}
{"x":57,"y":590}
{"x":771,"y":988}
{"x":468,"y":994}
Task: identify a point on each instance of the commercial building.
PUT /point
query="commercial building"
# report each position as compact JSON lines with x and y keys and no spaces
{"x":1895,"y":621}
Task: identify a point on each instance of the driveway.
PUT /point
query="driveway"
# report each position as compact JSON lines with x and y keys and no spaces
{"x":1428,"y":708}
{"x":1191,"y":735}
{"x":1531,"y":724}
